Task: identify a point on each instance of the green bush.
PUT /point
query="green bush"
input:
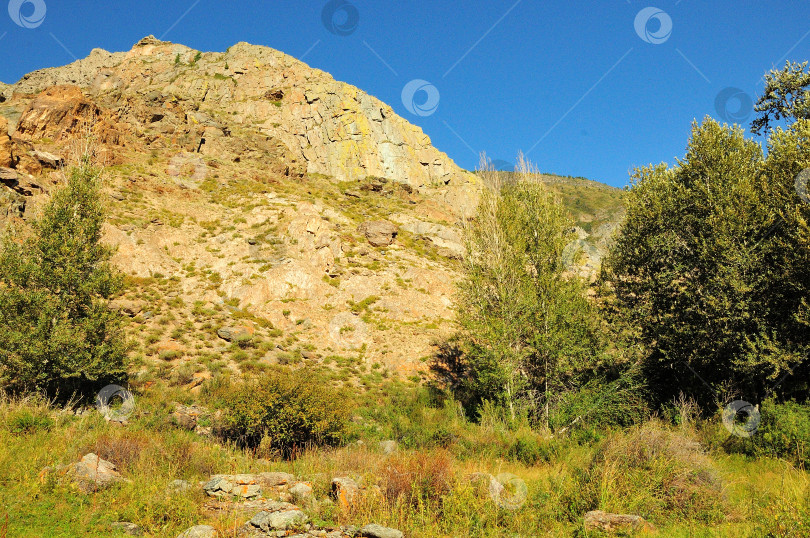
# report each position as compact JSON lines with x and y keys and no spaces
{"x":282,"y":414}
{"x":784,"y":431}
{"x":25,"y":421}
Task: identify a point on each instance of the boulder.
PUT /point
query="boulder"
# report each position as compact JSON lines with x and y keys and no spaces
{"x":199,"y":531}
{"x":187,"y":416}
{"x":607,"y":522}
{"x":245,"y":486}
{"x":46,"y":159}
{"x":126,"y":307}
{"x":345,"y":491}
{"x":379,"y":233}
{"x":281,"y":517}
{"x":275,"y":479}
{"x":378,"y":531}
{"x":301,"y":492}
{"x":236,"y":334}
{"x":93,"y":473}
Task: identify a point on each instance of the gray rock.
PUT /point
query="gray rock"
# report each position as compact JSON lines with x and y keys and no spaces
{"x":378,"y":531}
{"x":275,"y":479}
{"x":607,"y":522}
{"x":7,"y":174}
{"x":127,"y":528}
{"x":47,"y":159}
{"x":199,"y":531}
{"x":379,"y":233}
{"x":281,"y":520}
{"x":239,"y":485}
{"x":345,"y":491}
{"x":235,"y":334}
{"x":301,"y":492}
{"x":93,"y":473}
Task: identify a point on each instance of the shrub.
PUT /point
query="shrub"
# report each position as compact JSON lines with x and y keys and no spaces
{"x":653,"y":472}
{"x":417,"y":478}
{"x":282,"y":413}
{"x":784,"y":432}
{"x":26,"y":421}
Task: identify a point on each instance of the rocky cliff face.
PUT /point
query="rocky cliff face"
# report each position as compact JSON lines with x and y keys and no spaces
{"x":249,"y":195}
{"x":328,"y":127}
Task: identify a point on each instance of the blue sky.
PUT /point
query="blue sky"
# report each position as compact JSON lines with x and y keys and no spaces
{"x":579,"y":86}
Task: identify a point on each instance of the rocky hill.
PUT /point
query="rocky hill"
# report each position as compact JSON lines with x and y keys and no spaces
{"x":264,"y":212}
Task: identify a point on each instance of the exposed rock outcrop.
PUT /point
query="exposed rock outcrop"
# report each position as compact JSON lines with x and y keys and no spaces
{"x":330,"y":127}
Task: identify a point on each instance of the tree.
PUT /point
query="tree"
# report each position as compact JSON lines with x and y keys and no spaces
{"x":57,"y":333}
{"x":526,"y":330}
{"x":710,"y":267}
{"x":786,"y":96}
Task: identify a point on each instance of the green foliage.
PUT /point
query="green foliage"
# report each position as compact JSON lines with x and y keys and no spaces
{"x":282,"y":413}
{"x":710,"y":268}
{"x":525,"y":329}
{"x":57,"y":333}
{"x":784,"y":432}
{"x":28,"y":420}
{"x":650,"y":471}
{"x":786,"y":96}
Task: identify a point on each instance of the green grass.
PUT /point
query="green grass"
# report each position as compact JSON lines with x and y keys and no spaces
{"x":653,"y":469}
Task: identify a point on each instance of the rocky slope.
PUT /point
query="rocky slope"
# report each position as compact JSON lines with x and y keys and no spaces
{"x":263,"y":212}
